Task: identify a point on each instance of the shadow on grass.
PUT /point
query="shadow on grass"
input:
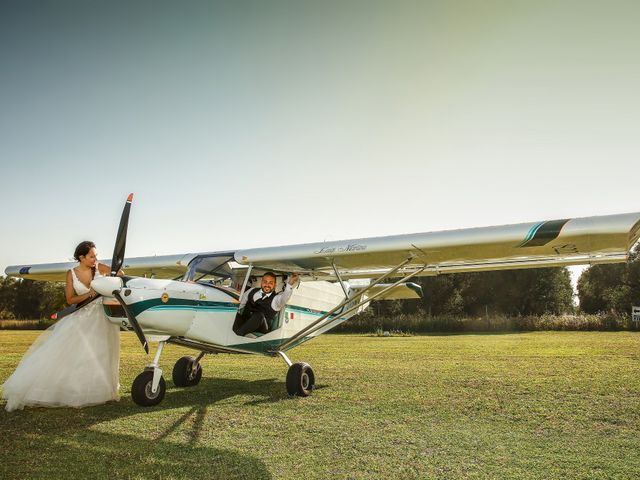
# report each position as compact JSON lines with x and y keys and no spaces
{"x":214,"y":390}
{"x":208,"y":392}
{"x":57,"y":443}
{"x":79,"y":453}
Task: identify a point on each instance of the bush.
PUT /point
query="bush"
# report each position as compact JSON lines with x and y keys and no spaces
{"x":420,"y":323}
{"x":12,"y":324}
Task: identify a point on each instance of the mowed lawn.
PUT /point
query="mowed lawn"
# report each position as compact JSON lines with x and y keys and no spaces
{"x":532,"y":405}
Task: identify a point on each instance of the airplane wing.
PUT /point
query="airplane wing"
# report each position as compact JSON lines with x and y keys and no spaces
{"x":590,"y":240}
{"x":163,"y":266}
{"x":577,"y":241}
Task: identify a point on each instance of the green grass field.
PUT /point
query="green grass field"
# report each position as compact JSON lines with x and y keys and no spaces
{"x":533,"y":405}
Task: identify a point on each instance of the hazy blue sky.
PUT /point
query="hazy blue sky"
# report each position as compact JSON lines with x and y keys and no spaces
{"x":347,"y":118}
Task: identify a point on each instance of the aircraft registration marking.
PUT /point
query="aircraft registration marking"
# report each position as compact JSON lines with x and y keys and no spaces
{"x":352,"y":247}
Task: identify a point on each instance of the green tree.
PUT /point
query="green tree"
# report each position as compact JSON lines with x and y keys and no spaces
{"x":520,"y":292}
{"x":611,"y":288}
{"x":442,"y":295}
{"x":53,"y":299}
{"x":7,"y":297}
{"x":37,"y":299}
{"x":27,"y":304}
{"x":508,"y":292}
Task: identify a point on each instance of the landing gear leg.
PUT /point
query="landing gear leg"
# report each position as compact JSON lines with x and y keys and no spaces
{"x":149,"y":387}
{"x":285,"y":358}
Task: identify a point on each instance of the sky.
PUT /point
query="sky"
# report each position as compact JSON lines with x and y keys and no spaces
{"x":241,"y":124}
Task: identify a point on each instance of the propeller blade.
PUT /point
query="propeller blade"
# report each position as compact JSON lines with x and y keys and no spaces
{"x":72,"y":308}
{"x":116,"y":264}
{"x":132,"y":320}
{"x":121,"y":238}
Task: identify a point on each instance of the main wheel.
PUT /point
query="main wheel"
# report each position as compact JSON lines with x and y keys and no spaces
{"x":300,"y":380}
{"x":141,"y":390}
{"x":186,"y":373}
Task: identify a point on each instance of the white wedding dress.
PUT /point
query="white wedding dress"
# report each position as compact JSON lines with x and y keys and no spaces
{"x":74,"y":363}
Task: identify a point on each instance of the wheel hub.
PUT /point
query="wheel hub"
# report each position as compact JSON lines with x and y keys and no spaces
{"x":148,"y":391}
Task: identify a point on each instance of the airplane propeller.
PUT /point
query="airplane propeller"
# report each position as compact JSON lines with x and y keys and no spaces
{"x":118,"y":258}
{"x":116,"y":263}
{"x":121,"y":238}
{"x":132,"y":320}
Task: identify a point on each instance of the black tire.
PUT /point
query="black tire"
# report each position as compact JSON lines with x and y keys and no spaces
{"x":186,"y":373}
{"x":300,"y":380}
{"x":141,"y":390}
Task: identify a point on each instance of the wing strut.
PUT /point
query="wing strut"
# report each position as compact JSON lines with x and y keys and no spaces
{"x":335,"y":270}
{"x":313,"y":327}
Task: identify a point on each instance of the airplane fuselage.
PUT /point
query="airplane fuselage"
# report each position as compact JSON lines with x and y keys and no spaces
{"x":205,"y":313}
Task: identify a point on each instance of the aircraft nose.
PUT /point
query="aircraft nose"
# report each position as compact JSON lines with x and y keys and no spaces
{"x":106,"y":285}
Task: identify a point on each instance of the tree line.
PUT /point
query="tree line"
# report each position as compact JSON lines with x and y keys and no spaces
{"x":602,"y":289}
{"x":610,"y":289}
{"x":27,"y":299}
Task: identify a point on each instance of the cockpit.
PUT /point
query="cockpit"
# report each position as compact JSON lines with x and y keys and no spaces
{"x":220,"y":271}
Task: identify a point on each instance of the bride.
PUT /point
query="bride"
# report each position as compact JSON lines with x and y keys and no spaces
{"x":75,"y":362}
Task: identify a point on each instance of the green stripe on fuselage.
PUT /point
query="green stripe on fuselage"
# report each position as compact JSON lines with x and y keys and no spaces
{"x":180,"y":304}
{"x":258,"y":346}
{"x":203,"y":305}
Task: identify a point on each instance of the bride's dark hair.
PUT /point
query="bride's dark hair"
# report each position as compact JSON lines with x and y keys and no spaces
{"x":83,"y":248}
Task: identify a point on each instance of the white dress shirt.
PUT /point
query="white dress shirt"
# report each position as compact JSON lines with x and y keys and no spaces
{"x":278,"y":302}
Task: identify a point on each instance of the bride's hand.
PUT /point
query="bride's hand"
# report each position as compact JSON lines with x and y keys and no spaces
{"x":92,"y":293}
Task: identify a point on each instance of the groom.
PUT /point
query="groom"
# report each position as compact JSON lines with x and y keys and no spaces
{"x":259,"y":306}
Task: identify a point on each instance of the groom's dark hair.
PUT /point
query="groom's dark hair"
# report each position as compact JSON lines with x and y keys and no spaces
{"x":270,"y":274}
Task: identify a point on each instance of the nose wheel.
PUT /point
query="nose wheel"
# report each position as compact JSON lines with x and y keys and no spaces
{"x":143,"y":392}
{"x":149,"y":387}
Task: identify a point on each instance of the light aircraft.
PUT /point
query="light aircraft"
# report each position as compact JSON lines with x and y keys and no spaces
{"x":192,"y":299}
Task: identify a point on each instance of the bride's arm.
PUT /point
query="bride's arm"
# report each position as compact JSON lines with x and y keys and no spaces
{"x":70,"y":294}
{"x":106,"y":270}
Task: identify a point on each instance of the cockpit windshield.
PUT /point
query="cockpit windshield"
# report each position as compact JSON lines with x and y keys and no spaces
{"x":209,"y":267}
